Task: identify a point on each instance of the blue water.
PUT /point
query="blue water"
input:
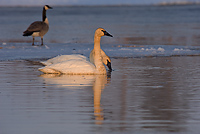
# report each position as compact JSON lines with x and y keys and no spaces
{"x":143,"y":25}
{"x":138,"y":31}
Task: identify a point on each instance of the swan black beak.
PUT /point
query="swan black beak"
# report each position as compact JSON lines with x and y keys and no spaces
{"x":107,"y":34}
{"x":109,"y":65}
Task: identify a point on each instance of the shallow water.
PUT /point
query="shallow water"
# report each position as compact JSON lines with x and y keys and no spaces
{"x":141,"y":95}
{"x":141,"y":25}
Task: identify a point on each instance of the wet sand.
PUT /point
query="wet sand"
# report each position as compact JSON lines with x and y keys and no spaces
{"x":142,"y":95}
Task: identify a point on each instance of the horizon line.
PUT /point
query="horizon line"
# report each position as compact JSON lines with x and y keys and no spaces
{"x":91,"y":5}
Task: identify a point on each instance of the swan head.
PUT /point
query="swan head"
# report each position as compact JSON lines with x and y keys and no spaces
{"x":46,"y":7}
{"x":102,"y":32}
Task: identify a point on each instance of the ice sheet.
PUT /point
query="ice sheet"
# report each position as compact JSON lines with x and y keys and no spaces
{"x":24,"y":51}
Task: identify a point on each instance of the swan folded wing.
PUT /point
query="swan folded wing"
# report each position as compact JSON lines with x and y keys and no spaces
{"x":62,"y":58}
{"x":70,"y":67}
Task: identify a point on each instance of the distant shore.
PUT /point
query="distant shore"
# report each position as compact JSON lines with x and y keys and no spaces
{"x":152,"y":4}
{"x":177,"y":3}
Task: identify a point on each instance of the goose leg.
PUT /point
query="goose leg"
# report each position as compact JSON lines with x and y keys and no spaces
{"x":42,"y":41}
{"x":33,"y":41}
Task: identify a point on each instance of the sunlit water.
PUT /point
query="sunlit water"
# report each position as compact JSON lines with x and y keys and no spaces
{"x":153,"y":88}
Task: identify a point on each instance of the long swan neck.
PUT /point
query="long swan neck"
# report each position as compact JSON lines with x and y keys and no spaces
{"x":44,"y":16}
{"x":97,"y":40}
{"x":97,"y":58}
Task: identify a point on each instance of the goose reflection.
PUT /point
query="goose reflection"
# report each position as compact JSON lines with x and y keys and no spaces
{"x":97,"y":82}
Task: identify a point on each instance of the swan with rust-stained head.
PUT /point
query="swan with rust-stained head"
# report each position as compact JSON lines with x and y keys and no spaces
{"x":39,"y":28}
{"x":78,"y":64}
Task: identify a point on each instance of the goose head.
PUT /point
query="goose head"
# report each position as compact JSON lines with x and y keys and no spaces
{"x":102,"y":32}
{"x":46,"y":7}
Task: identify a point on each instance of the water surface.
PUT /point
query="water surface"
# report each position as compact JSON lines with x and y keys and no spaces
{"x":141,"y":25}
{"x":141,"y":95}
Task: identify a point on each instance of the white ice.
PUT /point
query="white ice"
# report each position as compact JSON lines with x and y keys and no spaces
{"x":25,"y":51}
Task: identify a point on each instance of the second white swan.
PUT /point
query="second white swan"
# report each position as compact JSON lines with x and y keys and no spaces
{"x":79,"y":64}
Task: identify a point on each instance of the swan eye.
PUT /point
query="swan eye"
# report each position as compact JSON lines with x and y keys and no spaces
{"x":105,"y":33}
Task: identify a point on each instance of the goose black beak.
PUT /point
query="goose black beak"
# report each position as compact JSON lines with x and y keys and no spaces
{"x":107,"y":34}
{"x":109,"y":65}
{"x":49,"y":7}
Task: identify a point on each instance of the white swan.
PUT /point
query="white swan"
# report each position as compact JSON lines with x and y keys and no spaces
{"x":78,"y":64}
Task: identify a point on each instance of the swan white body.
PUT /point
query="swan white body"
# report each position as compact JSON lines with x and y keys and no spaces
{"x":73,"y":66}
{"x":78,"y":64}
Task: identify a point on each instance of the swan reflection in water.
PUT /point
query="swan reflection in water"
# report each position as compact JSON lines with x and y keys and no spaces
{"x":97,"y":82}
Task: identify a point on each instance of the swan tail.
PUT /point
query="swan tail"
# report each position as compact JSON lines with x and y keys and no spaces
{"x":49,"y":70}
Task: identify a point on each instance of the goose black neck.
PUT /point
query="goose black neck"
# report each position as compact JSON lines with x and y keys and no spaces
{"x":44,"y":14}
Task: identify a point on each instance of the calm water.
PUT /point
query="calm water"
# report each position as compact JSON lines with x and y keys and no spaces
{"x":144,"y":25}
{"x":153,"y":88}
{"x":141,"y":95}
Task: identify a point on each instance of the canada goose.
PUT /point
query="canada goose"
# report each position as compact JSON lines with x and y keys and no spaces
{"x":39,"y":28}
{"x":81,"y":65}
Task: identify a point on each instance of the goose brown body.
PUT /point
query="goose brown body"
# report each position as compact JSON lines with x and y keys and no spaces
{"x":38,"y":28}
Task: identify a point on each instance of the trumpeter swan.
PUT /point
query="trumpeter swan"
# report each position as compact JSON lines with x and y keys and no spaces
{"x":78,"y":64}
